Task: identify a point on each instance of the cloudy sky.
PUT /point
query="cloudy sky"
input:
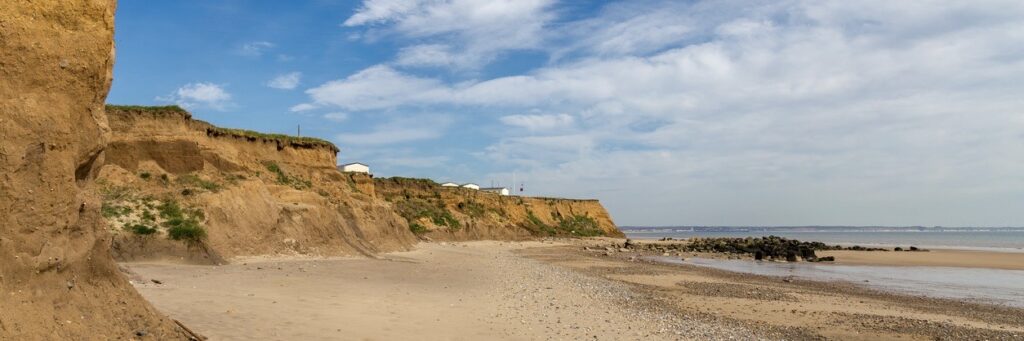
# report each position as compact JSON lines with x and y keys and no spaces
{"x":873,"y":112}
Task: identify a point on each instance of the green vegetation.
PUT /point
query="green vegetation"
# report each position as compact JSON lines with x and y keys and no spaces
{"x":182,"y":225}
{"x":417,"y":229}
{"x":287,"y":180}
{"x":580,"y":225}
{"x":196,"y":181}
{"x":446,"y":219}
{"x":145,"y":175}
{"x":109,"y":210}
{"x":577,"y":225}
{"x":537,"y":227}
{"x":148,"y":216}
{"x":414,"y":209}
{"x":141,"y":229}
{"x":472,"y":209}
{"x":294,"y":140}
{"x":166,"y":108}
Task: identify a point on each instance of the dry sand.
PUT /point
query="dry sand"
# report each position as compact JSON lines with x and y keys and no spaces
{"x":540,"y":291}
{"x":473,"y":291}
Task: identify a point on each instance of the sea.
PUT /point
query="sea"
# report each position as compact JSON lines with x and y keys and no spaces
{"x":990,"y":286}
{"x":988,"y":239}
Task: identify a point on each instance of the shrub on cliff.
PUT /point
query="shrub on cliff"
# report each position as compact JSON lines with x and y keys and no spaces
{"x":416,"y":228}
{"x":182,"y":225}
{"x":580,"y":225}
{"x":287,"y":180}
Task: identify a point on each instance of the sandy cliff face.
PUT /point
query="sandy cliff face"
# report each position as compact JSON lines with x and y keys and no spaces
{"x":252,"y":194}
{"x":453,"y":213}
{"x":57,"y":279}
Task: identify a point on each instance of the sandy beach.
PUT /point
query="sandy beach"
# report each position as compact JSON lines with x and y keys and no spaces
{"x":539,"y":291}
{"x":950,"y":258}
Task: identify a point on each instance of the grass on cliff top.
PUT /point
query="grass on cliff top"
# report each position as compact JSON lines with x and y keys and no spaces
{"x":147,"y":108}
{"x":297,"y":140}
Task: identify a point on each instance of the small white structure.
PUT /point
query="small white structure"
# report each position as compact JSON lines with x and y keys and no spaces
{"x":498,"y":190}
{"x":354,"y":167}
{"x":471,"y":186}
{"x":449,"y":184}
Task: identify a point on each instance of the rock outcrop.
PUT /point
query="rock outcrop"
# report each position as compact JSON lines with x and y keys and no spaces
{"x":168,"y":175}
{"x":57,"y":279}
{"x":455,"y":213}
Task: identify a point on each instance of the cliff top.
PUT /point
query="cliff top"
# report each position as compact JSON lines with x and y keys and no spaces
{"x":174,"y":110}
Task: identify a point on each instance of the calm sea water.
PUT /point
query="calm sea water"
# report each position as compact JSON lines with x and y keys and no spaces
{"x":1007,"y":241}
{"x":1004,"y":287}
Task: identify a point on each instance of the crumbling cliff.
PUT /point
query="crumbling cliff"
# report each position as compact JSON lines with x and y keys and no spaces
{"x":180,"y":188}
{"x":455,"y":213}
{"x":57,"y":279}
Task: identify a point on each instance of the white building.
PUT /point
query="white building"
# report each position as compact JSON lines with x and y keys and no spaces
{"x":449,"y":184}
{"x":354,"y":167}
{"x":471,"y":186}
{"x":498,"y":190}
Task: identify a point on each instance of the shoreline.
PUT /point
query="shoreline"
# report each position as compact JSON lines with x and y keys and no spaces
{"x":880,"y":245}
{"x":540,"y":290}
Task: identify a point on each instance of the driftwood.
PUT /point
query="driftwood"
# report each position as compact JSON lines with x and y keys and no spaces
{"x":191,"y":334}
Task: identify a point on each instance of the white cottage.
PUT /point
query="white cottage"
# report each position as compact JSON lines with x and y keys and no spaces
{"x":354,"y":167}
{"x":449,"y":184}
{"x":497,"y":190}
{"x":471,"y":186}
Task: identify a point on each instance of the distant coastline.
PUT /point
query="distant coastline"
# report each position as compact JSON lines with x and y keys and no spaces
{"x":642,"y":229}
{"x":1002,"y":239}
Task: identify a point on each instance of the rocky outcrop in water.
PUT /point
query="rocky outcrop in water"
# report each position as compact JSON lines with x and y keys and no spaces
{"x":767,"y":248}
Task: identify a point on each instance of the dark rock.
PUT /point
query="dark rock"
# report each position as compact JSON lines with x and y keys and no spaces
{"x":898,"y":249}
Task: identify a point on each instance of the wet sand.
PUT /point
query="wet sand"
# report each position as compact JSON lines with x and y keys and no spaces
{"x":951,"y":258}
{"x":538,"y":291}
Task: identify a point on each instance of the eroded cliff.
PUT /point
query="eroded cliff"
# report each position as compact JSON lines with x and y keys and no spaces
{"x":455,"y":213}
{"x":57,"y":279}
{"x":180,"y":188}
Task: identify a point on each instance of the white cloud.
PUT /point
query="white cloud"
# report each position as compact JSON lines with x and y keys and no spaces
{"x":713,"y":113}
{"x":426,"y":55}
{"x":286,"y":81}
{"x":302,"y":107}
{"x":399,"y":130}
{"x":475,"y":32}
{"x":201,"y":94}
{"x":255,"y":48}
{"x":336,"y":116}
{"x":377,"y":87}
{"x":538,"y":122}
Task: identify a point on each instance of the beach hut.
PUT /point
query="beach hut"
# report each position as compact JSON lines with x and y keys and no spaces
{"x":496,"y":190}
{"x":471,"y":186}
{"x":354,"y":167}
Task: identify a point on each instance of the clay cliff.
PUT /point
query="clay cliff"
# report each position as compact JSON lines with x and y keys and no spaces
{"x":57,"y":279}
{"x":182,"y":189}
{"x":455,"y":213}
{"x":179,"y":188}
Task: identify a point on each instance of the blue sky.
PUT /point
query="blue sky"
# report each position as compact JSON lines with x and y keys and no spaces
{"x":671,"y":112}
